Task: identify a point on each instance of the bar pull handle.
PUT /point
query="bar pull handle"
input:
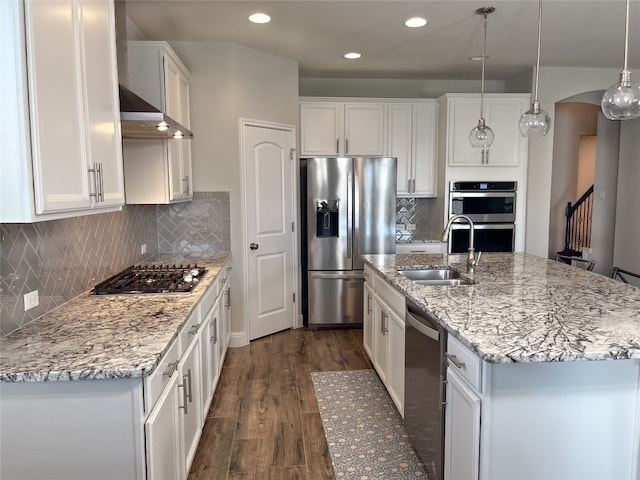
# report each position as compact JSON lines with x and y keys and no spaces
{"x":171,"y":367}
{"x":228,"y":302}
{"x":193,"y":330}
{"x":368,"y":303}
{"x":346,"y":146}
{"x":408,"y":185}
{"x":337,"y":145}
{"x":214,"y":325}
{"x":453,"y":359}
{"x":184,"y":395}
{"x":189,"y":395}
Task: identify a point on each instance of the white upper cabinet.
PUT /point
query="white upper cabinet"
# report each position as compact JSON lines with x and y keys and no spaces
{"x":62,"y":156}
{"x":159,"y":171}
{"x":460,"y":113}
{"x":330,"y":128}
{"x":411,"y":137}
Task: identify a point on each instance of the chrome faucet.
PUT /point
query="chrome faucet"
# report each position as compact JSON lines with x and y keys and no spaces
{"x":472,"y":262}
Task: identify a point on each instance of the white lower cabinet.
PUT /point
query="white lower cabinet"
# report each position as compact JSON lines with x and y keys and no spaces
{"x":462,"y":430}
{"x":383,"y":334}
{"x":162,"y":430}
{"x":191,"y":409}
{"x":395,"y":381}
{"x":381,"y":340}
{"x":367,"y":320}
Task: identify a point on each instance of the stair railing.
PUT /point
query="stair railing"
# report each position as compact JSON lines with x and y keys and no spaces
{"x":578,"y":224}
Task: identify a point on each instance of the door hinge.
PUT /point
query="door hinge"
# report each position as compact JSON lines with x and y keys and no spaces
{"x":294,"y":297}
{"x":291,"y":154}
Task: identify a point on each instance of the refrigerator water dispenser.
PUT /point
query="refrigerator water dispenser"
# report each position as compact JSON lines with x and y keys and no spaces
{"x":327,"y":217}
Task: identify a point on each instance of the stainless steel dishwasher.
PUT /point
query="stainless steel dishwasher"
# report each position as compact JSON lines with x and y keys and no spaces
{"x":424,"y":380}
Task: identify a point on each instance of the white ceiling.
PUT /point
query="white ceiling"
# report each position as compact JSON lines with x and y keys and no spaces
{"x":316,"y":33}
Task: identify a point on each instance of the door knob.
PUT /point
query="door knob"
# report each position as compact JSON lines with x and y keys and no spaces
{"x":254,"y":246}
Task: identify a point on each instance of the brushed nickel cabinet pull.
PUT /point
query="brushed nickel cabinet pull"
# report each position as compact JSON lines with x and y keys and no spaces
{"x":171,"y":367}
{"x":453,"y":359}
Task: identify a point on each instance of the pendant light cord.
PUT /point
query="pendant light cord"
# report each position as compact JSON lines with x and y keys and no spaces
{"x":535,"y":89}
{"x":484,"y":49}
{"x":626,"y":36}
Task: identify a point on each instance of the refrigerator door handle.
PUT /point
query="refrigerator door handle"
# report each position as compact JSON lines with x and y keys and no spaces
{"x":349,"y":274}
{"x":349,"y":252}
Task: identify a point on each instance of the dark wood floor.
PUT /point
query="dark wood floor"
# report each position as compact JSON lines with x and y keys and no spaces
{"x":264,"y":421}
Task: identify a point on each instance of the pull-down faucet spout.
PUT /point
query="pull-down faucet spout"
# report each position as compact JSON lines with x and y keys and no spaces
{"x":472,"y":262}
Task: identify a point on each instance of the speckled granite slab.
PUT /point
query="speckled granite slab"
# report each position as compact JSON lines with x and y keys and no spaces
{"x":102,"y":337}
{"x":525,"y":308}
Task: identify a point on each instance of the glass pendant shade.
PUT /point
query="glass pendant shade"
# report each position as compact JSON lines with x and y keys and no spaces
{"x":481,"y":136}
{"x":535,"y":122}
{"x":622,"y":100}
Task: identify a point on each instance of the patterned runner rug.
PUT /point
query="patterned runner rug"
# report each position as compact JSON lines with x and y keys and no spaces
{"x":364,"y":431}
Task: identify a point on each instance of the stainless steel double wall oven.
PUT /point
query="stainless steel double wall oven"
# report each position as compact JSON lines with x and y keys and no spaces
{"x":492,"y":208}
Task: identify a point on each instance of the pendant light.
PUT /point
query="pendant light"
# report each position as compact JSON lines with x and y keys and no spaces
{"x":482,"y":136}
{"x":622,"y":100}
{"x":535,"y":122}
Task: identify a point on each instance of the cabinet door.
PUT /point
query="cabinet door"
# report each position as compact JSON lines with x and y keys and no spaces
{"x":395,"y":378}
{"x":463,"y":114}
{"x":399,"y":123}
{"x":192,"y":412}
{"x":363,"y":129}
{"x":177,"y":181}
{"x":424,"y":128}
{"x":381,"y":339}
{"x":56,"y":106}
{"x":103,"y":109}
{"x":172,"y":89}
{"x":502,"y":116}
{"x":162,"y":429}
{"x":367,"y":324}
{"x":321,"y":128}
{"x":206,"y":365}
{"x":462,"y":430}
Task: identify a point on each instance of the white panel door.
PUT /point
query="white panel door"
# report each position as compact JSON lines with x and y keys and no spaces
{"x":399,"y":143}
{"x":269,"y":161}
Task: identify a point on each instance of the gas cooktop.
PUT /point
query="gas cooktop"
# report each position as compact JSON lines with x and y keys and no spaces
{"x":151,"y":278}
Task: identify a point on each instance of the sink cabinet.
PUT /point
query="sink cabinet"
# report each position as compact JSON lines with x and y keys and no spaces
{"x":61,"y":148}
{"x":384,"y":332}
{"x":159,"y":171}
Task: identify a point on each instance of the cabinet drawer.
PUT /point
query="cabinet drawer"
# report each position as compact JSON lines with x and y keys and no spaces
{"x":154,"y":384}
{"x":469,"y":364}
{"x":369,"y":276}
{"x":209,"y":297}
{"x":391,"y":296}
{"x":190,"y":329}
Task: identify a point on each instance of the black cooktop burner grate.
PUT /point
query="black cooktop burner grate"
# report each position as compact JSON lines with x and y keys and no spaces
{"x":151,"y":279}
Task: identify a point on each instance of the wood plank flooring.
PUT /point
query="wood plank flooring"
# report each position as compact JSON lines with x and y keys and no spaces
{"x":264,"y":421}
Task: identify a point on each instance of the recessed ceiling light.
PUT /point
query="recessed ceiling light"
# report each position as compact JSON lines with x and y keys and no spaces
{"x":478,"y":58}
{"x":259,"y":18}
{"x":415,"y":22}
{"x":352,"y":55}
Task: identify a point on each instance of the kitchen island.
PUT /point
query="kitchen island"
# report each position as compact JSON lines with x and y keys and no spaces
{"x":557,"y":348}
{"x":98,"y":388}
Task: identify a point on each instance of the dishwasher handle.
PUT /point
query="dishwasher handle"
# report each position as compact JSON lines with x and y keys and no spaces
{"x":421,"y":327}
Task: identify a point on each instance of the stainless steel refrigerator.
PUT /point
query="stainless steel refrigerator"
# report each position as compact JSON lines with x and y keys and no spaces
{"x":348,"y":209}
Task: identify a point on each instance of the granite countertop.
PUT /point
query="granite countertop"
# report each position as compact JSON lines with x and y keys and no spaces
{"x":525,"y":308}
{"x":102,"y":337}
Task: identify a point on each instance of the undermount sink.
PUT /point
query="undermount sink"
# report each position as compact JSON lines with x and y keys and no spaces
{"x":436,"y":276}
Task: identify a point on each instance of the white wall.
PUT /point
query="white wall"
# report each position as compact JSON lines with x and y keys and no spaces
{"x":393,"y":88}
{"x":229,"y":82}
{"x":627,"y":226}
{"x":556,"y":84}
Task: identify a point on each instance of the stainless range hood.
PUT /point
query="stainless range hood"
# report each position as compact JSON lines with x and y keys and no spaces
{"x":140,"y":119}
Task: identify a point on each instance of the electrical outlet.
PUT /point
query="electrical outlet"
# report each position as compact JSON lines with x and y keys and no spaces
{"x":31,"y":300}
{"x":143,"y":249}
{"x":411,"y":227}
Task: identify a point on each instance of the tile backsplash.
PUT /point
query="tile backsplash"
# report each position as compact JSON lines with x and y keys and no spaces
{"x":412,"y":219}
{"x":63,"y":258}
{"x":201,"y":226}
